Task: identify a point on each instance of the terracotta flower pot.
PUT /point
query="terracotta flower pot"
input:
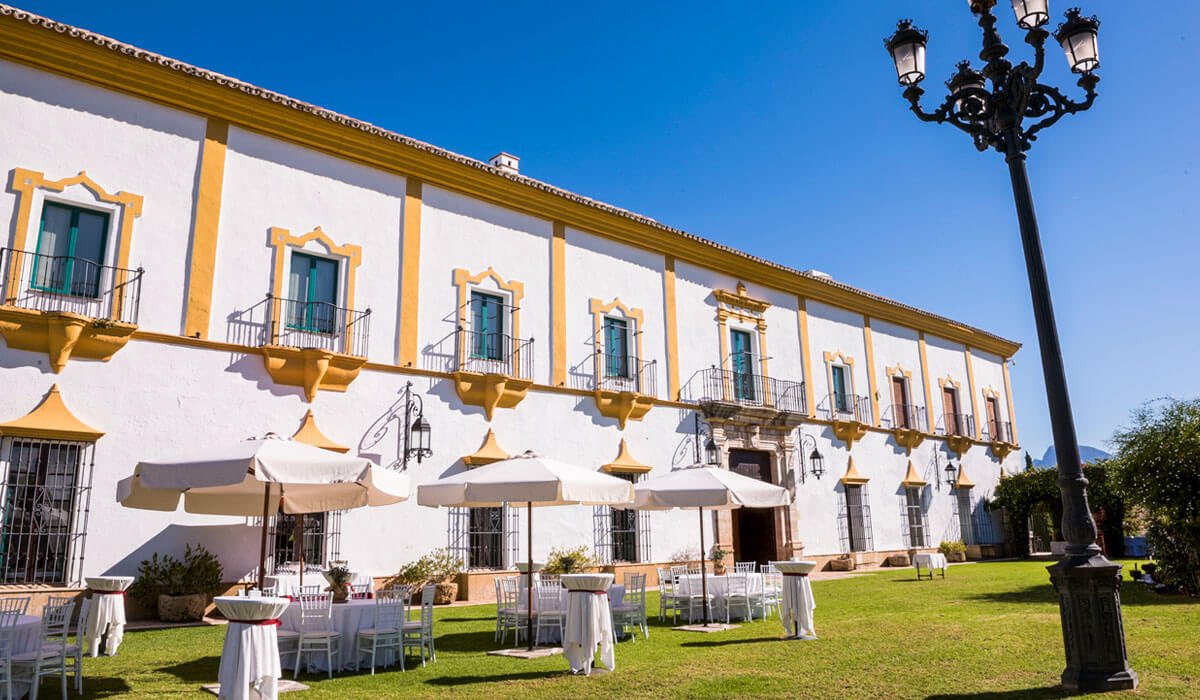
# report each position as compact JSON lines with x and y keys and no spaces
{"x":341,"y":592}
{"x":445,"y":593}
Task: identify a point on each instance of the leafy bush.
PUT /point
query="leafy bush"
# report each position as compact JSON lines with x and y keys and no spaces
{"x":950,"y":547}
{"x":439,"y":566}
{"x":684,"y":555}
{"x":1157,"y":471}
{"x":1029,"y":493}
{"x":339,"y":575}
{"x":568,"y":561}
{"x":718,"y":555}
{"x":199,"y":572}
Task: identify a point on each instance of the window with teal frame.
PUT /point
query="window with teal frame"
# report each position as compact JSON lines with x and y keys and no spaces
{"x":487,"y":326}
{"x":742,"y":364}
{"x":616,"y":348}
{"x":841,"y":397}
{"x":70,"y":250}
{"x":312,"y":294}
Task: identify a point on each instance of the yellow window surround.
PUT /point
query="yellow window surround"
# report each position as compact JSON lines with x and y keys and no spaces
{"x":490,"y":391}
{"x":621,"y":405}
{"x":51,"y":420}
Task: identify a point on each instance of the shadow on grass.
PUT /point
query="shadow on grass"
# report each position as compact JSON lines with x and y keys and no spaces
{"x":94,"y":687}
{"x":729,"y":642}
{"x":202,"y":670}
{"x":1130,"y":595}
{"x":1050,"y":691}
{"x":468,"y":680}
{"x":482,"y":641}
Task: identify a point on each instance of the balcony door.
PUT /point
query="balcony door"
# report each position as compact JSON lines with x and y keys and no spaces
{"x":487,"y":326}
{"x":950,"y":408}
{"x":993,"y":419}
{"x":616,"y":348}
{"x":742,"y":364}
{"x":70,"y":251}
{"x":312,"y":294}
{"x":900,"y":406}
{"x":841,"y":397}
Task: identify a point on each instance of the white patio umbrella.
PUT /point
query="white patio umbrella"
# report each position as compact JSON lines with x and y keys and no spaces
{"x":247,"y":478}
{"x":703,"y":487}
{"x":526,"y":481}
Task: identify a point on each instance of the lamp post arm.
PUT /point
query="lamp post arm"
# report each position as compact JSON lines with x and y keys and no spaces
{"x":1037,"y":39}
{"x":1048,"y":100}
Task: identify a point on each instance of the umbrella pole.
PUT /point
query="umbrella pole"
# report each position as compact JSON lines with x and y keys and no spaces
{"x":298,"y":539}
{"x":703,"y":570}
{"x":262,"y":547}
{"x":529,"y":575}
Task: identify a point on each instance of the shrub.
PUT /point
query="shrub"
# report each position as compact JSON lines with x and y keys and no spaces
{"x":438,"y":566}
{"x":718,"y":555}
{"x":1157,"y":470}
{"x":684,"y":555}
{"x":948,"y":547}
{"x":199,"y":572}
{"x":568,"y":561}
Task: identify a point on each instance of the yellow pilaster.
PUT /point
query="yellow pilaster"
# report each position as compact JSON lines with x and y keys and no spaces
{"x":806,"y":352}
{"x":925,"y":383}
{"x":558,"y":302}
{"x":410,"y":272}
{"x":206,"y":220}
{"x":871,"y":371}
{"x":971,"y":386}
{"x":1012,"y":418}
{"x":672,"y":328}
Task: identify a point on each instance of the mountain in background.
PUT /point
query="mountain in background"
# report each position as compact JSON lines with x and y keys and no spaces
{"x":1086,"y":453}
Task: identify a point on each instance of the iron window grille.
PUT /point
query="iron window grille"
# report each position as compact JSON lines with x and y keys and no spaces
{"x":46,"y":501}
{"x":485,"y":538}
{"x":621,"y":535}
{"x":962,"y":516}
{"x":854,"y":519}
{"x":321,"y":541}
{"x":913,"y":518}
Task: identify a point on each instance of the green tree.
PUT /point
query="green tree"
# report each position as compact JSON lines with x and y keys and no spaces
{"x":1028,"y":462}
{"x":1157,"y":469}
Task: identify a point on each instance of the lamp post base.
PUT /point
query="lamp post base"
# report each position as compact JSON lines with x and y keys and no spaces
{"x":1089,"y":602}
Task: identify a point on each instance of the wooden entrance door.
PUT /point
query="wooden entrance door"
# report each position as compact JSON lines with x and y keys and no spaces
{"x":754,"y":533}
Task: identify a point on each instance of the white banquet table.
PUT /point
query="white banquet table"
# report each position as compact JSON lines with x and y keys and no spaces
{"x":250,"y":658}
{"x":797,"y":603}
{"x":589,"y":622}
{"x":346,"y":618}
{"x":930,"y":561}
{"x":718,"y":587}
{"x":106,"y":613}
{"x":284,"y":583}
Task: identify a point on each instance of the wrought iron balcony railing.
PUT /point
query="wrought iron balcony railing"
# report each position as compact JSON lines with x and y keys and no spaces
{"x":848,"y":407}
{"x":617,"y":372}
{"x":746,"y":389}
{"x":58,"y":283}
{"x":314,"y":324}
{"x":906,"y":417}
{"x":495,"y":353}
{"x":957,"y":424}
{"x":998,"y":431}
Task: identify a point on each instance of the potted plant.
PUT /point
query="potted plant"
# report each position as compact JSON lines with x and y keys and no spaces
{"x":718,"y":559}
{"x":339,"y":578}
{"x":444,"y":570}
{"x":178,"y":590}
{"x":568,"y":561}
{"x":954,"y":551}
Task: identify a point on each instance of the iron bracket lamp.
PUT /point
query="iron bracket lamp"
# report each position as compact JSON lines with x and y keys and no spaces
{"x":712,"y":454}
{"x":816,"y":461}
{"x":1008,"y":117}
{"x":415,"y":439}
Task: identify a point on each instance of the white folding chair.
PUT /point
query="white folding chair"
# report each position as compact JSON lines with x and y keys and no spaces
{"x":631,"y":612}
{"x":50,"y":658}
{"x":316,"y":632}
{"x":745,"y":567}
{"x":391,"y":611}
{"x":299,"y":591}
{"x":9,"y":616}
{"x":772,"y":592}
{"x":550,"y":609}
{"x":737,"y":594}
{"x":360,"y":591}
{"x":419,"y":633}
{"x":513,"y":614}
{"x":76,"y":649}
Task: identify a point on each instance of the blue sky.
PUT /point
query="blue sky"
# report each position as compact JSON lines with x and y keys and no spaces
{"x":782,"y":132}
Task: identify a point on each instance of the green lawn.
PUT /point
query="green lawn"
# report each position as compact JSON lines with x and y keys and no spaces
{"x":989,"y":628}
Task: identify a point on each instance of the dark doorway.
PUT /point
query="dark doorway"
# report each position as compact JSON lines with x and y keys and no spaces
{"x":754,"y":534}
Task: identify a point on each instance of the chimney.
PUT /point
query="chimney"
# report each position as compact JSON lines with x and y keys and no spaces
{"x":506,"y":162}
{"x":819,"y":275}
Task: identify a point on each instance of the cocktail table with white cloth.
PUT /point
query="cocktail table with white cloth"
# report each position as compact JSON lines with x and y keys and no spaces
{"x":250,"y":658}
{"x":589,"y":622}
{"x":284,"y":584}
{"x":347,"y":619}
{"x":931,"y":561}
{"x":718,"y":588}
{"x":106,"y":613}
{"x":797,"y":603}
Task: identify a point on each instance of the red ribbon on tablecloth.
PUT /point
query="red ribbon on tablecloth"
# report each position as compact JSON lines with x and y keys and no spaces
{"x":93,"y":590}
{"x":580,"y":590}
{"x":789,"y":573}
{"x":273,"y":623}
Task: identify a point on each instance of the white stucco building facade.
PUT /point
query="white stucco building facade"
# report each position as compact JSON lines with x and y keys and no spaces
{"x":188,"y":260}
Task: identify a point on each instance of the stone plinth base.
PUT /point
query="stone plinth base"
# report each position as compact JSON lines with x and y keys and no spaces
{"x":523,"y":653}
{"x":1089,"y":603}
{"x":714,"y":627}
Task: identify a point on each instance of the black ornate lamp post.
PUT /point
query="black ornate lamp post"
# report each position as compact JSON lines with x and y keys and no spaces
{"x":816,"y":461}
{"x":712,"y":455}
{"x":1087,"y":583}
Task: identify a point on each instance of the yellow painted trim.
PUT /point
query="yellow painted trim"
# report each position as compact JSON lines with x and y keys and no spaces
{"x":871,"y":386}
{"x":962,"y":482}
{"x":971,"y":386}
{"x":832,"y":358}
{"x":410,"y":273}
{"x":599,"y":310}
{"x":490,"y":451}
{"x":490,"y":391}
{"x":206,"y":218}
{"x":762,"y":351}
{"x":25,"y":181}
{"x":672,"y":330}
{"x":310,"y":434}
{"x":852,"y":477}
{"x":622,"y":405}
{"x":280,"y":239}
{"x":946,"y":382}
{"x":311,"y":368}
{"x":625,"y":462}
{"x":990,"y":392}
{"x":62,"y":335}
{"x":82,"y":56}
{"x":51,"y":420}
{"x":925,"y":382}
{"x":806,"y":351}
{"x":911,"y":478}
{"x":558,"y":302}
{"x":1012,"y":417}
